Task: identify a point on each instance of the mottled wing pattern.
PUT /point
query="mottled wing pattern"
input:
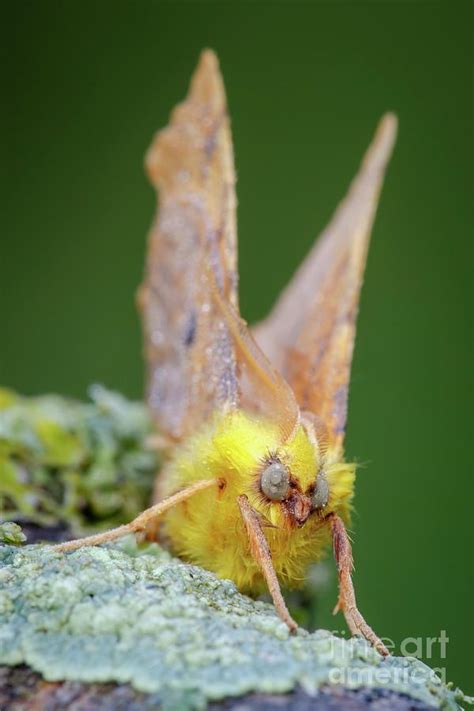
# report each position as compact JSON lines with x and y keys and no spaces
{"x":310,"y":333}
{"x":190,"y":356}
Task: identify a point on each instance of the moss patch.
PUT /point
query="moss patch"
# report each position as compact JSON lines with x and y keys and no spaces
{"x":86,"y":464}
{"x":119,"y":614}
{"x":11,"y":533}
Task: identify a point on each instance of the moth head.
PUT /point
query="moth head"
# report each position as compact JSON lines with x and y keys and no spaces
{"x":291,"y":478}
{"x":278,"y":486}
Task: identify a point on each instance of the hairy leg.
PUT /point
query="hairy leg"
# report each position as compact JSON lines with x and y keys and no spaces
{"x":347,"y":600}
{"x":139,"y":523}
{"x":261,"y":553}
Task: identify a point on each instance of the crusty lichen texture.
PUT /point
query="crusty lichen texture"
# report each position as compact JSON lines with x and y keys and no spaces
{"x":117,"y":614}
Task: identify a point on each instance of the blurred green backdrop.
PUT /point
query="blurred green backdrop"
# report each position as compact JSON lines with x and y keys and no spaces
{"x":87,"y":85}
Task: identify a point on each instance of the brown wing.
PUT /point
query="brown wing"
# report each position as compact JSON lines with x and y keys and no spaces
{"x":310,"y":332}
{"x":189,"y":353}
{"x":200,"y":355}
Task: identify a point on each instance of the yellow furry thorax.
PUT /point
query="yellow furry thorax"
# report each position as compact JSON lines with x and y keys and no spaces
{"x":208,"y":529}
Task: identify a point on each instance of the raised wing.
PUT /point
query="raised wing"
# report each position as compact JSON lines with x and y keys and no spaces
{"x":309,"y":335}
{"x":191,"y":364}
{"x":200,"y":355}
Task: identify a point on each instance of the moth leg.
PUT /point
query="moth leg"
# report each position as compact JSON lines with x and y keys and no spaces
{"x":151,"y":533}
{"x":140,"y":522}
{"x":261,"y":553}
{"x":347,"y":600}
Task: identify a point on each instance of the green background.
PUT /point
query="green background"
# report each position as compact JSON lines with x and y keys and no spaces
{"x":87,"y":85}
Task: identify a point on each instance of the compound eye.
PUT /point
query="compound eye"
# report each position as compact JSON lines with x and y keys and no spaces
{"x":274,"y":481}
{"x":321,"y":493}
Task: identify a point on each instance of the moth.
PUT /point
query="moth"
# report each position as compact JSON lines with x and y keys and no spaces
{"x":254,"y":486}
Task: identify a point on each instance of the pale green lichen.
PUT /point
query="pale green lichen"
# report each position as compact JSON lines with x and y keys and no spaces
{"x":11,"y":533}
{"x":84,"y":464}
{"x":115,"y":614}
